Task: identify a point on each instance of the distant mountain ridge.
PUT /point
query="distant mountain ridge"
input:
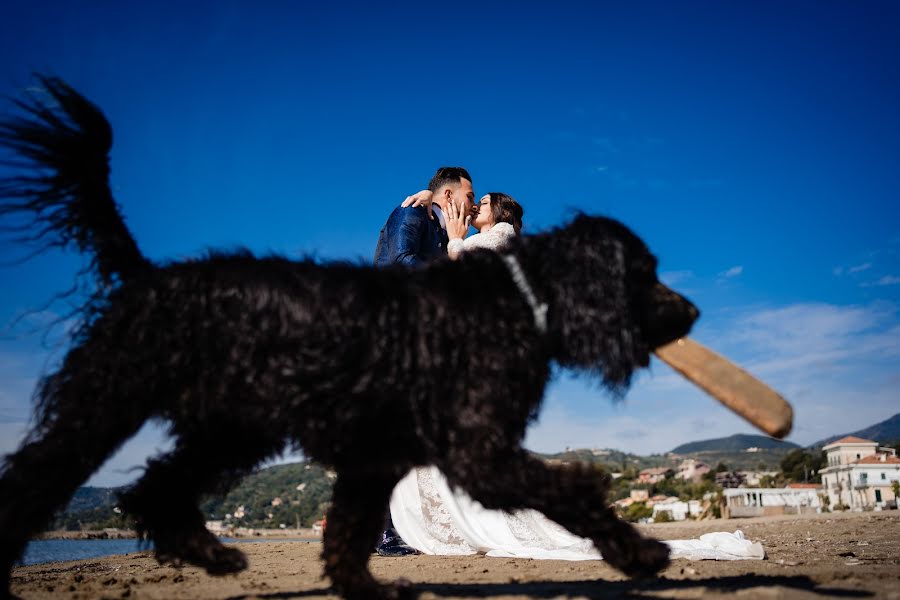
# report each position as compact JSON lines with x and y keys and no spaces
{"x":736,"y":442}
{"x":884,"y":433}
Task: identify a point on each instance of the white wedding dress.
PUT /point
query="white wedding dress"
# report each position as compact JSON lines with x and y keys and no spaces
{"x":493,"y":239}
{"x":434,"y":519}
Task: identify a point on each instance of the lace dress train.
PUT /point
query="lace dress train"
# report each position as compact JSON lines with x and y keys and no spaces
{"x":434,"y":519}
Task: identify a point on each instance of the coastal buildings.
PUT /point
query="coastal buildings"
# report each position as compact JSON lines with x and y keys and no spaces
{"x":654,"y":475}
{"x":757,"y":502}
{"x":678,"y":510}
{"x":674,"y":509}
{"x":860,"y":474}
{"x":756,"y":478}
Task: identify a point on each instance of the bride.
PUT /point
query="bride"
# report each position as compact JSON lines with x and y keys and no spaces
{"x":433,"y":518}
{"x":429,"y":515}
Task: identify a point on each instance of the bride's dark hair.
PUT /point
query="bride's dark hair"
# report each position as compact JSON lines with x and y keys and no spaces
{"x":506,"y":210}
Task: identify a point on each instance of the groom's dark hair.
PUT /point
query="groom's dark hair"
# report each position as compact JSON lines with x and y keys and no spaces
{"x":447,"y":175}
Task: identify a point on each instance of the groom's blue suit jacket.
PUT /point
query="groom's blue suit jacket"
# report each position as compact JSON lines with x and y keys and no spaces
{"x":409,"y":237}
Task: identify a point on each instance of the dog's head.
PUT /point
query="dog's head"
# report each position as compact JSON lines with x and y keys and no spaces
{"x":608,"y":309}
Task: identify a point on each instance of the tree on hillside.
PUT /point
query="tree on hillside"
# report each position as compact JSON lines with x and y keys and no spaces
{"x":803,"y":465}
{"x":637,"y":511}
{"x":711,"y":474}
{"x":767,"y":481}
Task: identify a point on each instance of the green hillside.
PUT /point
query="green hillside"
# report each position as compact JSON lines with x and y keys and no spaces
{"x":733,"y":443}
{"x":90,"y":498}
{"x":740,"y":460}
{"x":302,"y":490}
{"x":735,"y":460}
{"x":613,"y":460}
{"x":292,"y":495}
{"x":887,"y":432}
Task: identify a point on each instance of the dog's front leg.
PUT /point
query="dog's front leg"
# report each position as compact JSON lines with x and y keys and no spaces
{"x":575,"y":496}
{"x":358,"y":506}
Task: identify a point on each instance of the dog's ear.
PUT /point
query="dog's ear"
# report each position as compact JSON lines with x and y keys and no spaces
{"x":592,"y":321}
{"x":608,"y":309}
{"x":661,"y":314}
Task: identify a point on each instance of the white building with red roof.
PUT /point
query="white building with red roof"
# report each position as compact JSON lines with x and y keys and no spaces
{"x":860,"y":474}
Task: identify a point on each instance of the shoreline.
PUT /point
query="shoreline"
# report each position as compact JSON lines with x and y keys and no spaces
{"x":125,"y":534}
{"x":653,"y":529}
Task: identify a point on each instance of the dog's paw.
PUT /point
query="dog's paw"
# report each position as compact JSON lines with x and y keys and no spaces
{"x":6,"y":594}
{"x":647,"y":558}
{"x":226,"y":560}
{"x":201,"y":549}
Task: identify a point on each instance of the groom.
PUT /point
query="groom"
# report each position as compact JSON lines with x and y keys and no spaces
{"x":411,"y":236}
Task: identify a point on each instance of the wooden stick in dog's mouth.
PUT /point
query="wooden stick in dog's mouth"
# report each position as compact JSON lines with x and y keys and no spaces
{"x":731,"y":385}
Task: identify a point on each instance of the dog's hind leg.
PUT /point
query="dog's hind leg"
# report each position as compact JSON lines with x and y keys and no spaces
{"x":39,"y":478}
{"x":164,"y":501}
{"x":575,"y":496}
{"x":355,"y":520}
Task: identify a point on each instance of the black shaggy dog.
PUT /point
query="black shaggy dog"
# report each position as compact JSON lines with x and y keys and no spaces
{"x":243,"y":356}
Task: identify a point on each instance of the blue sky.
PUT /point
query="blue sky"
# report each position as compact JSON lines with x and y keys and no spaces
{"x":754,"y":146}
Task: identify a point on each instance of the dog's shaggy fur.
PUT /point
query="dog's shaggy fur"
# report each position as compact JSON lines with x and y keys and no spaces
{"x":243,"y":355}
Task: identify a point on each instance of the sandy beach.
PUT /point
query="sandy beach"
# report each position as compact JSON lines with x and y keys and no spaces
{"x":845,"y":555}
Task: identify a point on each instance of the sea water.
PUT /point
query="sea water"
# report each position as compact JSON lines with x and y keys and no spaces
{"x":41,"y":551}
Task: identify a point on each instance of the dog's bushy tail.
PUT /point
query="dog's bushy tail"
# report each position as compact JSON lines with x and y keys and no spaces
{"x":61,"y":142}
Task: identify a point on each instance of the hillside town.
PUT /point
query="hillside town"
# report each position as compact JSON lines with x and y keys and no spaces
{"x":858,"y":475}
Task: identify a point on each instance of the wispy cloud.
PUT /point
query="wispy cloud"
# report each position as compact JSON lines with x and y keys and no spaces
{"x":824,"y":357}
{"x":672,"y":278}
{"x":842,"y":270}
{"x":837,"y":366}
{"x":732,"y":272}
{"x":810,"y":328}
{"x":885,"y":280}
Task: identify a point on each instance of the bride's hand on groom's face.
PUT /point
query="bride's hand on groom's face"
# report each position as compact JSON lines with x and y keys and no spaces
{"x":457,"y":222}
